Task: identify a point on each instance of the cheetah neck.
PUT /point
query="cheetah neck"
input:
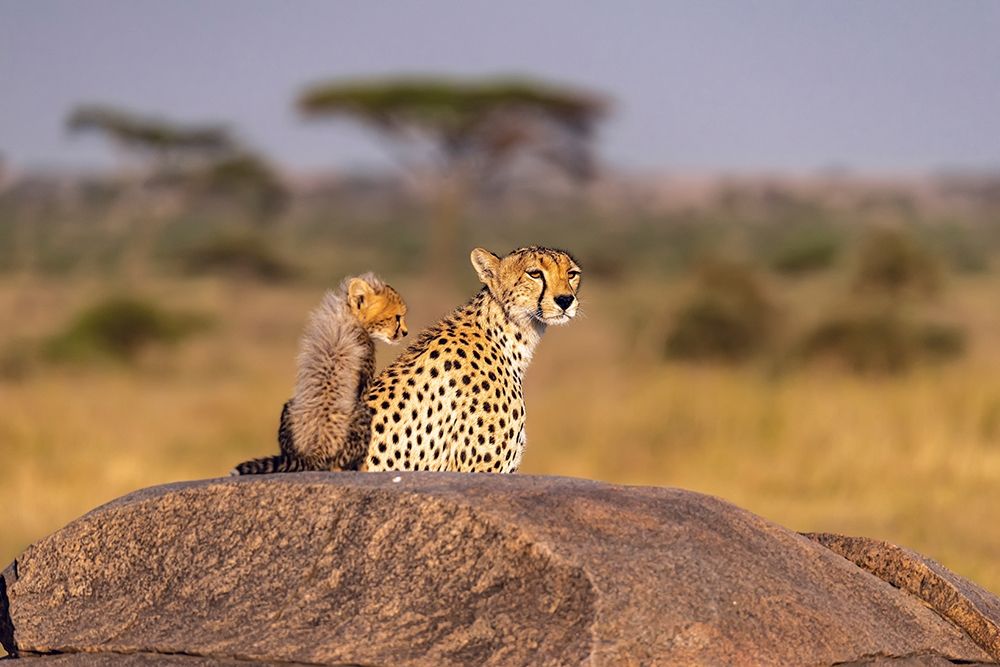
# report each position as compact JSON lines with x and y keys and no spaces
{"x":517,"y":337}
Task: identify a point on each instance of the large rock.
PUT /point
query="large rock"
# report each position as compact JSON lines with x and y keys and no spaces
{"x":453,"y":569}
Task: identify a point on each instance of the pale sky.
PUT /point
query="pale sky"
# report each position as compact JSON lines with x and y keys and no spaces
{"x":708,"y":85}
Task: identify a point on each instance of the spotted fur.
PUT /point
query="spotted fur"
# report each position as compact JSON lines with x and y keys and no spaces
{"x":326,"y":424}
{"x":453,"y":400}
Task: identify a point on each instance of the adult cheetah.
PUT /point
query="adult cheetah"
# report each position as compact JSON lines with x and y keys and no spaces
{"x":453,"y":400}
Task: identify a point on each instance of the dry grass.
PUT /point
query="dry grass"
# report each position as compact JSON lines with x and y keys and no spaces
{"x":913,"y":459}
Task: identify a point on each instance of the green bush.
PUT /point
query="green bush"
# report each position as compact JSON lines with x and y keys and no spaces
{"x":891,"y":262}
{"x":882,"y":342}
{"x":247,"y":256}
{"x":941,"y":342}
{"x":119,"y":328}
{"x":805,"y":250}
{"x":730,"y":318}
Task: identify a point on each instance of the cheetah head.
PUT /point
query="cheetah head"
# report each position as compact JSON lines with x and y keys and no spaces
{"x":378,"y":307}
{"x":533,"y":284}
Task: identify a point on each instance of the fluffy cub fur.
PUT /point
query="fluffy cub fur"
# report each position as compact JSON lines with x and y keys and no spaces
{"x":326,"y":425}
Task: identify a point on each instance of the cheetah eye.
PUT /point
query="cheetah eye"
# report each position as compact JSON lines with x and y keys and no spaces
{"x":534,"y":273}
{"x":573,"y":273}
{"x":397,"y":318}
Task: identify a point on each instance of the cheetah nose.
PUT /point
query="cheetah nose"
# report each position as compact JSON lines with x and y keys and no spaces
{"x":564,"y":301}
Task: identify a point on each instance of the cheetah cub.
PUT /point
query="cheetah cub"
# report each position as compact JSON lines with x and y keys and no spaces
{"x":326,"y":425}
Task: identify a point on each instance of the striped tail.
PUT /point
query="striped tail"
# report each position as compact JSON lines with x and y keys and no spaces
{"x":286,"y":461}
{"x":285,"y":442}
{"x":270,"y":464}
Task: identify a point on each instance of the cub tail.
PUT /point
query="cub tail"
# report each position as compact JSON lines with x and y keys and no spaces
{"x":268,"y":465}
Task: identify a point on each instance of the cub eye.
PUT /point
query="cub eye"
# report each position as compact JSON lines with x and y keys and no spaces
{"x":535,"y":273}
{"x":397,"y":318}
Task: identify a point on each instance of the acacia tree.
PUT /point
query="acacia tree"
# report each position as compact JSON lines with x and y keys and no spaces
{"x":455,"y":136}
{"x":160,"y":144}
{"x":201,"y":161}
{"x":206,"y":158}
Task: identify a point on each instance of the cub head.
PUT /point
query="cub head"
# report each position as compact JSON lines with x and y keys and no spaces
{"x":533,"y":284}
{"x":379,"y":308}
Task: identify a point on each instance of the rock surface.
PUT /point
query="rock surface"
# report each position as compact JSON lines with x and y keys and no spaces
{"x":453,"y":569}
{"x":974,"y":609}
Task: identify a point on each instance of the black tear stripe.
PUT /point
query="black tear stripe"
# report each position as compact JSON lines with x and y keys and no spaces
{"x":545,"y":286}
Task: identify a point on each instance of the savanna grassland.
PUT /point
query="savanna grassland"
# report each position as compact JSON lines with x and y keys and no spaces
{"x":830,"y":365}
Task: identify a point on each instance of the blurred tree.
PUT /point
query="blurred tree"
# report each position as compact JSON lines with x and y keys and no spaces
{"x":454,"y":136}
{"x":154,"y":140}
{"x":197,"y":163}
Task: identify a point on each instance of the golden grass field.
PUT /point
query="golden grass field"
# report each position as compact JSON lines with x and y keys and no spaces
{"x":914,"y":459}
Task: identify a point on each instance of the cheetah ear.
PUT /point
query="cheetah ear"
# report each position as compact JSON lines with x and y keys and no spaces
{"x":358,"y":291}
{"x":487,"y":265}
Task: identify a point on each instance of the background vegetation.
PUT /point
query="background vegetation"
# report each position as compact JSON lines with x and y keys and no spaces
{"x":825,"y":354}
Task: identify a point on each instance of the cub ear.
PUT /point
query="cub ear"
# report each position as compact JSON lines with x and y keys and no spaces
{"x":486,"y":264}
{"x":358,"y":291}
